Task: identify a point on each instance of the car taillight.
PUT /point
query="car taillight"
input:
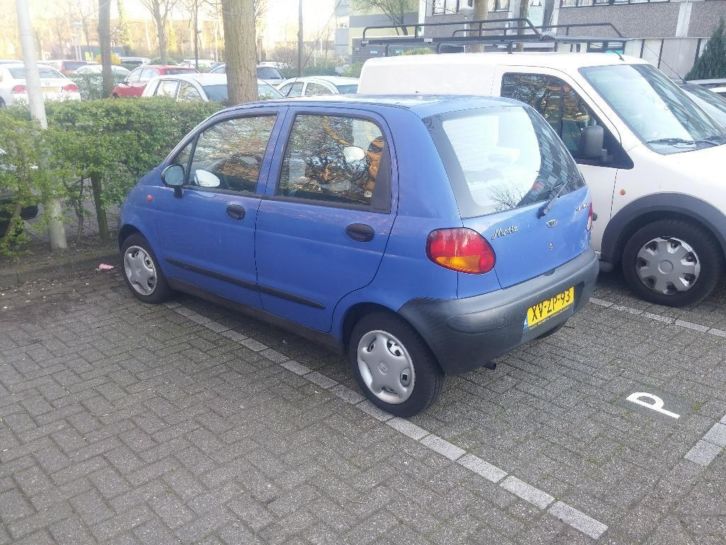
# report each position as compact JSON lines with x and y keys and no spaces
{"x":460,"y":249}
{"x":589,"y":218}
{"x":18,"y":89}
{"x":70,"y":88}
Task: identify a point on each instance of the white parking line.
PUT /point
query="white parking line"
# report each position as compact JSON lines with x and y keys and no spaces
{"x":710,"y":445}
{"x":659,"y":318}
{"x":539,"y":498}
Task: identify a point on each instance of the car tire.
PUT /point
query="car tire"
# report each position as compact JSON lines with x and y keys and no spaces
{"x":141,"y":271}
{"x":672,"y":262}
{"x":407,"y":379}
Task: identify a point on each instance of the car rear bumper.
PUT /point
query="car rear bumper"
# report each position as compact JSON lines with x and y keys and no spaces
{"x":470,"y":332}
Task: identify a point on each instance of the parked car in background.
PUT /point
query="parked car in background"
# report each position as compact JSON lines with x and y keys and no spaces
{"x":652,"y":157}
{"x":717,"y":86}
{"x":133,"y":62}
{"x":200,"y":87}
{"x":65,"y":67}
{"x":205,"y":65}
{"x":97,"y":69}
{"x":712,"y":103}
{"x":422,"y":236}
{"x":7,"y":205}
{"x":135,"y":82}
{"x":318,"y":85}
{"x":9,"y":61}
{"x":55,"y":86}
{"x":270,"y":74}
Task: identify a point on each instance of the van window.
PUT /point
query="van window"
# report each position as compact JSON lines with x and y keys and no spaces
{"x":502,"y":158}
{"x":655,"y":108}
{"x":561,"y":106}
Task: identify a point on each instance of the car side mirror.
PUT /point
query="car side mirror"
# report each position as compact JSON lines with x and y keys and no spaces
{"x":204,"y":178}
{"x":592,"y":142}
{"x":173,"y":176}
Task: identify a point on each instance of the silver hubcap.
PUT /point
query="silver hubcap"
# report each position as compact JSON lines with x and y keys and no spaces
{"x":140,"y":270}
{"x":386,"y":367}
{"x":668,"y":265}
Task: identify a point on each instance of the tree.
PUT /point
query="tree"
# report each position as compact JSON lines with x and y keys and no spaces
{"x":160,"y":10}
{"x":104,"y":41}
{"x":712,"y":63}
{"x":238,"y":18}
{"x":395,"y":10}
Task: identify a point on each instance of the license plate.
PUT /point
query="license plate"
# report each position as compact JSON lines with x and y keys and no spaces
{"x":544,"y":310}
{"x":50,"y":89}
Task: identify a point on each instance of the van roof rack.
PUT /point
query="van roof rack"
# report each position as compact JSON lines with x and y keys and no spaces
{"x":496,"y":32}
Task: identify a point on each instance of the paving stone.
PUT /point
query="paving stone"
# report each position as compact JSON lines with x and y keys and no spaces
{"x":443,"y":447}
{"x":577,"y":519}
{"x":296,"y":367}
{"x":483,"y":468}
{"x":407,"y":428}
{"x":717,"y":435}
{"x":527,"y":492}
{"x":703,"y":453}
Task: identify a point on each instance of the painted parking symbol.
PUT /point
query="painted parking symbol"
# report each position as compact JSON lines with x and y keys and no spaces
{"x":656,"y":403}
{"x":652,"y":402}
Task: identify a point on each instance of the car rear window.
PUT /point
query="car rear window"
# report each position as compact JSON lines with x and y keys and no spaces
{"x":348,"y":89}
{"x":179,"y":70}
{"x":45,"y":72}
{"x":502,"y":158}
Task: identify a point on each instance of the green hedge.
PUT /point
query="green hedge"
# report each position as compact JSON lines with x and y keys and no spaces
{"x":110,"y":143}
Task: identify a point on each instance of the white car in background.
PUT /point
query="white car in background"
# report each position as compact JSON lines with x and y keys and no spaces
{"x":55,"y":85}
{"x":97,"y":69}
{"x":200,"y":87}
{"x":310,"y":86}
{"x":717,"y":86}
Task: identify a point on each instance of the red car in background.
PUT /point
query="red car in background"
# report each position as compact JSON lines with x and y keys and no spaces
{"x":136,"y":81}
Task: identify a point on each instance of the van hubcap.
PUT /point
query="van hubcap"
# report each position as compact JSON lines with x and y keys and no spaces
{"x":386,"y":367}
{"x":668,"y":265}
{"x":140,"y":270}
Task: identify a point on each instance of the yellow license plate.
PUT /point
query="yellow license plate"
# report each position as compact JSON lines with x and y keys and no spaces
{"x":536,"y":314}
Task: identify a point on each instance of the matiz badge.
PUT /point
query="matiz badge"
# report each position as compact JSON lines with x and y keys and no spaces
{"x":503,"y":232}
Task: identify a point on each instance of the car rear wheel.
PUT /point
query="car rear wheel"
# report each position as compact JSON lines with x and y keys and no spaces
{"x":393,"y":366}
{"x":142,"y":273}
{"x":672,"y":262}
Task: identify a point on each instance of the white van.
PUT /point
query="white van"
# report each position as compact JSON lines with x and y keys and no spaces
{"x":654,"y":161}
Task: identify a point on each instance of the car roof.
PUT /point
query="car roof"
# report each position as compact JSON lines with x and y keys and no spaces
{"x":335,"y":80}
{"x":421,"y":105}
{"x":561,"y":61}
{"x":202,"y":78}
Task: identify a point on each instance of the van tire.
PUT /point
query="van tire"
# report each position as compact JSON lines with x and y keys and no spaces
{"x":683,"y":236}
{"x":403,"y":342}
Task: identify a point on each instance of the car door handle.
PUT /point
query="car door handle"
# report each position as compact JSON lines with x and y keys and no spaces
{"x":360,"y":232}
{"x":236,"y":211}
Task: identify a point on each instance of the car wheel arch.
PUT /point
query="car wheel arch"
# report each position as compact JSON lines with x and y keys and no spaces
{"x":658,"y":207}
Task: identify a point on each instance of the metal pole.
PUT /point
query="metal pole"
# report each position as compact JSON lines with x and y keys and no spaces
{"x":300,"y":42}
{"x":56,"y":230}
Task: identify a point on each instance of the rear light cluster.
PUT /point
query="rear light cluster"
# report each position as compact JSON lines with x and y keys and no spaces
{"x":70,"y":88}
{"x":18,"y":90}
{"x":589,"y":218}
{"x":460,"y":249}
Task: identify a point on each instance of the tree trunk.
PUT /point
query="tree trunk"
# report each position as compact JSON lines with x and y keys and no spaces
{"x":104,"y":39}
{"x":239,"y":49}
{"x":97,"y":188}
{"x":523,"y":13}
{"x":160,"y":33}
{"x":481,"y":13}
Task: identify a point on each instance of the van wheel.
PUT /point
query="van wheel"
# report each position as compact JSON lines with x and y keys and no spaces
{"x":672,"y":262}
{"x":142,"y":273}
{"x":393,"y":366}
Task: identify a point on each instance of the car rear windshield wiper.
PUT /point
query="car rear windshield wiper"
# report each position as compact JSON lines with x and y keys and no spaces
{"x":548,"y":205}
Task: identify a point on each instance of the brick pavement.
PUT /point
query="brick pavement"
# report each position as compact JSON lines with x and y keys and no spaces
{"x":125,"y":423}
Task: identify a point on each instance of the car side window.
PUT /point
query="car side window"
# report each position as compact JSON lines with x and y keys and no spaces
{"x":167,"y":88}
{"x":332,"y":158}
{"x":229,"y":154}
{"x":189,"y":93}
{"x":292,"y":89}
{"x":134,"y":76}
{"x":561,"y":106}
{"x":315,"y":89}
{"x":147,"y":74}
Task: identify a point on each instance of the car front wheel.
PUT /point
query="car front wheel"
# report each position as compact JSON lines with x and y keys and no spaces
{"x":393,"y":366}
{"x":142,"y":273}
{"x":672,"y":262}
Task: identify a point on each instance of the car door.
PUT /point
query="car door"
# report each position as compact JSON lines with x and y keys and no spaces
{"x":567,"y":111}
{"x":324,"y":224}
{"x":206,"y":232}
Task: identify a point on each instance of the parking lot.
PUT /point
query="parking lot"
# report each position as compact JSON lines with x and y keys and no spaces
{"x":186,"y":423}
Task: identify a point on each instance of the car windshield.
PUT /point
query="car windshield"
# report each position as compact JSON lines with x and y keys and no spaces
{"x":502,"y":158}
{"x":655,"y":108}
{"x":713,"y":104}
{"x":348,"y":89}
{"x":266,"y":91}
{"x":267,"y":72}
{"x":45,"y":72}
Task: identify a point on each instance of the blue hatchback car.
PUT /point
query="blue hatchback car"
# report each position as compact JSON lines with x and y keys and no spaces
{"x":422,"y":236}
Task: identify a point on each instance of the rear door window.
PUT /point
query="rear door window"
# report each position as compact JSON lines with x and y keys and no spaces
{"x":167,"y":88}
{"x":292,"y":89}
{"x":315,"y":89}
{"x":189,"y":93}
{"x":334,"y":159}
{"x":502,"y":158}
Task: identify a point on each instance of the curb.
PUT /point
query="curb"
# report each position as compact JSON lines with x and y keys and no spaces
{"x":64,"y":269}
